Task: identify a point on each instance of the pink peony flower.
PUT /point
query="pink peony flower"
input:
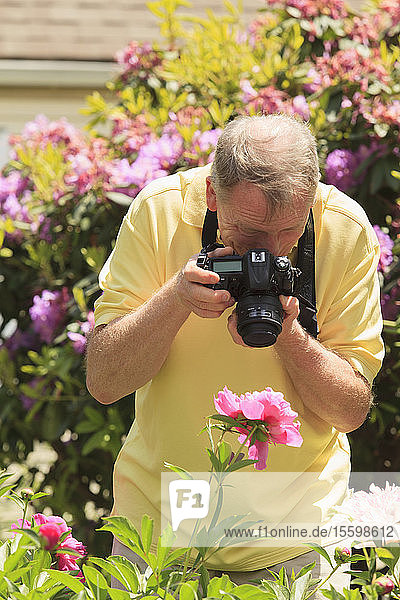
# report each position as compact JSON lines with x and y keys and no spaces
{"x":51,"y":533}
{"x":378,"y":507}
{"x":52,"y":528}
{"x":384,"y":585}
{"x":268,"y":409}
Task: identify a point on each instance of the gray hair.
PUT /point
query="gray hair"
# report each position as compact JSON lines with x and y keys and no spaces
{"x":277,"y":153}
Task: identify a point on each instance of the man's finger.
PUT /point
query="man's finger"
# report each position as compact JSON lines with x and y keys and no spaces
{"x":232,"y":328}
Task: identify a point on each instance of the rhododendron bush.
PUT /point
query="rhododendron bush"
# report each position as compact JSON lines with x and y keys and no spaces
{"x":64,"y":192}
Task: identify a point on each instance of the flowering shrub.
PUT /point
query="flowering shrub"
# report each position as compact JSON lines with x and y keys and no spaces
{"x":63,"y":194}
{"x":41,"y":558}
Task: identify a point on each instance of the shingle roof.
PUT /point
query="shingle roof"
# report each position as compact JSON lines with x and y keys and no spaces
{"x":85,"y":29}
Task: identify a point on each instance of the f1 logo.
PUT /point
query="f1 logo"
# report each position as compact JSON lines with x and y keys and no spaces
{"x":188,"y":499}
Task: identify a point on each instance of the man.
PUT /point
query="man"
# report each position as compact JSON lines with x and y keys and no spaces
{"x":161,"y":332}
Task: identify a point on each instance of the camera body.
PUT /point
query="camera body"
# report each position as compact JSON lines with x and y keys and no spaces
{"x":255,"y":280}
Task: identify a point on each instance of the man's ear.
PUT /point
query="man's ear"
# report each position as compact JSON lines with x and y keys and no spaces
{"x":210,"y":195}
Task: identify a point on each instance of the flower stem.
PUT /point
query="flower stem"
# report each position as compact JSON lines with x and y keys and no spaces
{"x":322,"y":582}
{"x":243,"y":444}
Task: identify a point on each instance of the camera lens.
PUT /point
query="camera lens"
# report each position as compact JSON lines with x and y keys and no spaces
{"x":259,"y":319}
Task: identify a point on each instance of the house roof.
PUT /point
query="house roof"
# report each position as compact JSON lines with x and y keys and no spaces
{"x":90,"y":30}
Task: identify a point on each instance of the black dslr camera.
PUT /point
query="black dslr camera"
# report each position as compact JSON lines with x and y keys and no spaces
{"x":255,"y":280}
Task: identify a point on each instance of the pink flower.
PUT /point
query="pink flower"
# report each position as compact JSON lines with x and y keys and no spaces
{"x":342,"y":555}
{"x":384,"y":585}
{"x":51,"y":533}
{"x":379,"y":506}
{"x":52,"y":528}
{"x":266,"y":409}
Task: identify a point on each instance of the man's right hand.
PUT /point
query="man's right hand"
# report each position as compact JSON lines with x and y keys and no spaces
{"x":191,"y":290}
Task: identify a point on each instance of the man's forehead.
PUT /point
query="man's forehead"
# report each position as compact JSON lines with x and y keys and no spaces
{"x":249,"y":200}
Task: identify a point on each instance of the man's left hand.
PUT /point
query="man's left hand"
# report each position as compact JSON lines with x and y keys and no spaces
{"x":291,"y":310}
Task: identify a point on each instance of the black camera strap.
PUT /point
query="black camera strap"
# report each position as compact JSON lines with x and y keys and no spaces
{"x":305,"y":262}
{"x":306,"y":285}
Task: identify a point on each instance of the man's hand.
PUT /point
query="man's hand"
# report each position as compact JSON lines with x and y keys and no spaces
{"x":201,"y":300}
{"x":291,"y":309}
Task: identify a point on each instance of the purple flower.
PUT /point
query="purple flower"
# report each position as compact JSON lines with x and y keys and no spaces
{"x":301,"y":107}
{"x":154,"y":160}
{"x":316,"y":82}
{"x":248,"y":91}
{"x":386,"y":245}
{"x":339,"y":169}
{"x":207,"y":139}
{"x":78,"y":341}
{"x":12,"y":184}
{"x":20,"y":339}
{"x":48,"y":313}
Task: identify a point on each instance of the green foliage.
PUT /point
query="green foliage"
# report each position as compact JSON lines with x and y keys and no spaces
{"x":72,"y":198}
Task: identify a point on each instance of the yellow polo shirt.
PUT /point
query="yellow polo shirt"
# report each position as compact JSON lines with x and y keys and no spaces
{"x":161,"y":230}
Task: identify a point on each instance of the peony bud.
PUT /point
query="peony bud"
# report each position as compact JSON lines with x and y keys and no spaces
{"x":384,"y":585}
{"x":342,"y":555}
{"x":27,"y":493}
{"x":51,"y":533}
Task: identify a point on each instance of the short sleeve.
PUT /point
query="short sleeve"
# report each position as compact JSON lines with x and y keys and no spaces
{"x":353,"y":324}
{"x":130,"y":275}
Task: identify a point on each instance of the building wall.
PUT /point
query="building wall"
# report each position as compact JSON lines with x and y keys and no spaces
{"x":85,"y":29}
{"x":53,"y":53}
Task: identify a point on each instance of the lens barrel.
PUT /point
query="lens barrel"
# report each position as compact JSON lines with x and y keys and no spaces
{"x":259,"y":319}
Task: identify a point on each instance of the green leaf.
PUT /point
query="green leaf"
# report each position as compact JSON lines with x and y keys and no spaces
{"x":122,"y":569}
{"x":164,"y":544}
{"x":214,"y":461}
{"x":225,"y":419}
{"x":125,"y":574}
{"x":240,"y":464}
{"x":218,"y":584}
{"x":123,"y":529}
{"x":147,"y":532}
{"x":300,"y":587}
{"x":68,"y":580}
{"x":96,"y":581}
{"x":250,"y":592}
{"x":224,"y":452}
{"x":184,"y":474}
{"x":320,"y":551}
{"x":119,"y":594}
{"x":188,"y":590}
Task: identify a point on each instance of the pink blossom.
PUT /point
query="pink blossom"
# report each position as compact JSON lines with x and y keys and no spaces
{"x":137,"y":59}
{"x":79,"y":340}
{"x":386,"y":245}
{"x":48,"y":313}
{"x":51,"y":533}
{"x":248,"y":91}
{"x":51,"y":527}
{"x":267,"y":407}
{"x":384,"y":585}
{"x":379,"y":506}
{"x":300,"y":106}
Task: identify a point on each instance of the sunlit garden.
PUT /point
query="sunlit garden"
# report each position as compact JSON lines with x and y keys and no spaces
{"x":63,"y":194}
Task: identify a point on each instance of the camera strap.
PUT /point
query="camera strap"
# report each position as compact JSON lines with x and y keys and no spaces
{"x":305,"y":262}
{"x":306,"y":284}
{"x":209,"y":233}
